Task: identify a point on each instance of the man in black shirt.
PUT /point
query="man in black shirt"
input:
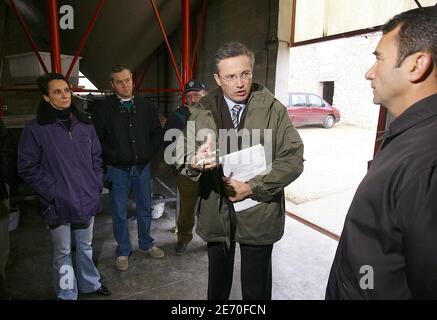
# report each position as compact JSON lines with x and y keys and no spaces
{"x":387,"y":249}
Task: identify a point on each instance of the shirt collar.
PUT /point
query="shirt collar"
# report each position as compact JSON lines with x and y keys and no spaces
{"x":231,"y":104}
{"x":123,"y":99}
{"x":419,"y":111}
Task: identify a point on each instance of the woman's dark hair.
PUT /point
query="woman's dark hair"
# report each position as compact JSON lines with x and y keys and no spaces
{"x":43,"y":81}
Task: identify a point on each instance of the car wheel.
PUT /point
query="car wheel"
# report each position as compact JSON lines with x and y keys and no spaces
{"x":329,"y":122}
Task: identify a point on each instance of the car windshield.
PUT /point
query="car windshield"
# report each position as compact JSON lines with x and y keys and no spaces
{"x":297,"y":100}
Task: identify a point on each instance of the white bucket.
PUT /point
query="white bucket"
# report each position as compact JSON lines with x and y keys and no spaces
{"x":157,"y":207}
{"x":157,"y":210}
{"x":14,"y":218}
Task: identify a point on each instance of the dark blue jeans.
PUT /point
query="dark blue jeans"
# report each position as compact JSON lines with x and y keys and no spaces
{"x":122,"y":182}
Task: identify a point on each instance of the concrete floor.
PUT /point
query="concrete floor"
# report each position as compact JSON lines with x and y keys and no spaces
{"x":301,"y":259}
{"x":301,"y":262}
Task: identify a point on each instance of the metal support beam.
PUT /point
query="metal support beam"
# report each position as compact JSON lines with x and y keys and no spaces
{"x":54,"y":36}
{"x":164,"y":35}
{"x":29,"y":36}
{"x":85,"y":37}
{"x":186,"y":44}
{"x":418,"y":3}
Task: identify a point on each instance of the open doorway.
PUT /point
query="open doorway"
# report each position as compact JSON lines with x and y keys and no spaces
{"x":328,"y":91}
{"x":336,"y":158}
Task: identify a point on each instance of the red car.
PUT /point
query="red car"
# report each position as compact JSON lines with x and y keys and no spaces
{"x":308,"y":108}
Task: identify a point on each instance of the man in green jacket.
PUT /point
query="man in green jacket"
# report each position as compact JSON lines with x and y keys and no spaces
{"x":238,"y":106}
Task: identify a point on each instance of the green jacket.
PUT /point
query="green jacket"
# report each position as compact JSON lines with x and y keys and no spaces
{"x":264,"y":223}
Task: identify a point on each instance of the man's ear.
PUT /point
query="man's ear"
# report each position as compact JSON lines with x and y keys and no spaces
{"x":217,"y":79}
{"x":46,"y":98}
{"x":421,"y":67}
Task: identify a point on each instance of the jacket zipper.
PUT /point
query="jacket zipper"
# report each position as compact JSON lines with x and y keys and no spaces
{"x":69,"y":133}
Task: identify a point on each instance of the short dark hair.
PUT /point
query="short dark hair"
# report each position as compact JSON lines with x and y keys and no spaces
{"x":44,"y":80}
{"x":418,"y":32}
{"x":233,"y":49}
{"x":116,"y":69}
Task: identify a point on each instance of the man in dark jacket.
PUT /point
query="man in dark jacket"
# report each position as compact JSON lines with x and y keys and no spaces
{"x":188,"y":189}
{"x":387,"y":249}
{"x":130,"y":133}
{"x":237,"y":107}
{"x":59,"y":155}
{"x":5,"y":169}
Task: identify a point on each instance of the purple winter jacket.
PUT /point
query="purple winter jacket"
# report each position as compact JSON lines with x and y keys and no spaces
{"x":63,"y":167}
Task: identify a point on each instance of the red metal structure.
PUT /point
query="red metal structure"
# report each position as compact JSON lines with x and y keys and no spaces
{"x":85,"y":37}
{"x":29,"y":36}
{"x":186,"y":41}
{"x":170,"y":51}
{"x":54,"y":36}
{"x":186,"y":66}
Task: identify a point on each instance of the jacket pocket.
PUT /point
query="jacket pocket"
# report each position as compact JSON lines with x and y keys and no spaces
{"x":261,"y":225}
{"x":49,"y":214}
{"x":346,"y":289}
{"x":210,"y":220}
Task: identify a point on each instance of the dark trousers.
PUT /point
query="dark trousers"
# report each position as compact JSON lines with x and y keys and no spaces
{"x":256,"y":271}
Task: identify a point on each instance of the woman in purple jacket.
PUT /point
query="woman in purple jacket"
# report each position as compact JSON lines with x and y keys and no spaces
{"x":59,"y":155}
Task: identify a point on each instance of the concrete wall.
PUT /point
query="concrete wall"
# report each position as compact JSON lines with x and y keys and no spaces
{"x":345,"y":62}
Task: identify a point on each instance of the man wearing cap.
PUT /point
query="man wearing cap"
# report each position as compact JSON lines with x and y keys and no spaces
{"x":188,"y":189}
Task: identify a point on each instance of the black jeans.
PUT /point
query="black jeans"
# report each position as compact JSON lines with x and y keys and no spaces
{"x":256,"y":271}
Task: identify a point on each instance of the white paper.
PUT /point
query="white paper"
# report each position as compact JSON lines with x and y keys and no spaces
{"x":242,"y":166}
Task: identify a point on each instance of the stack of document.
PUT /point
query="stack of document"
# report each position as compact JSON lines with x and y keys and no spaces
{"x":242,"y":166}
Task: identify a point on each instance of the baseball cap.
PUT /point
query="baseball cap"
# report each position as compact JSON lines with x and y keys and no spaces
{"x":194,"y":85}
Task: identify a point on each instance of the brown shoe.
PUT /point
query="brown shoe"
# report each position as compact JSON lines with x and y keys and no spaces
{"x":155,"y":252}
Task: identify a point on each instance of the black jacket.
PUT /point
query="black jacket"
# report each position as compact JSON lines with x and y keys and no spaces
{"x":5,"y":161}
{"x":128,"y":137}
{"x":387,"y":249}
{"x":177,"y":120}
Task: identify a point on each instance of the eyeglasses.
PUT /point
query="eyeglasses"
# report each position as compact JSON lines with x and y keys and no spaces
{"x":232,"y":78}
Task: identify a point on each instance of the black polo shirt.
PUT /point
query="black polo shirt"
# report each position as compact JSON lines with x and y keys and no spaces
{"x":391,"y":225}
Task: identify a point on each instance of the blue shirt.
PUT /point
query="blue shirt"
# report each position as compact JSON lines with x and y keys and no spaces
{"x":231,"y":104}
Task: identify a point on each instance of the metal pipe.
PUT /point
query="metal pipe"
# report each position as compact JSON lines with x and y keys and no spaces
{"x":85,"y":37}
{"x":199,"y":35}
{"x":29,"y":36}
{"x":186,"y":45}
{"x":164,"y":35}
{"x":54,"y":36}
{"x":338,"y":36}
